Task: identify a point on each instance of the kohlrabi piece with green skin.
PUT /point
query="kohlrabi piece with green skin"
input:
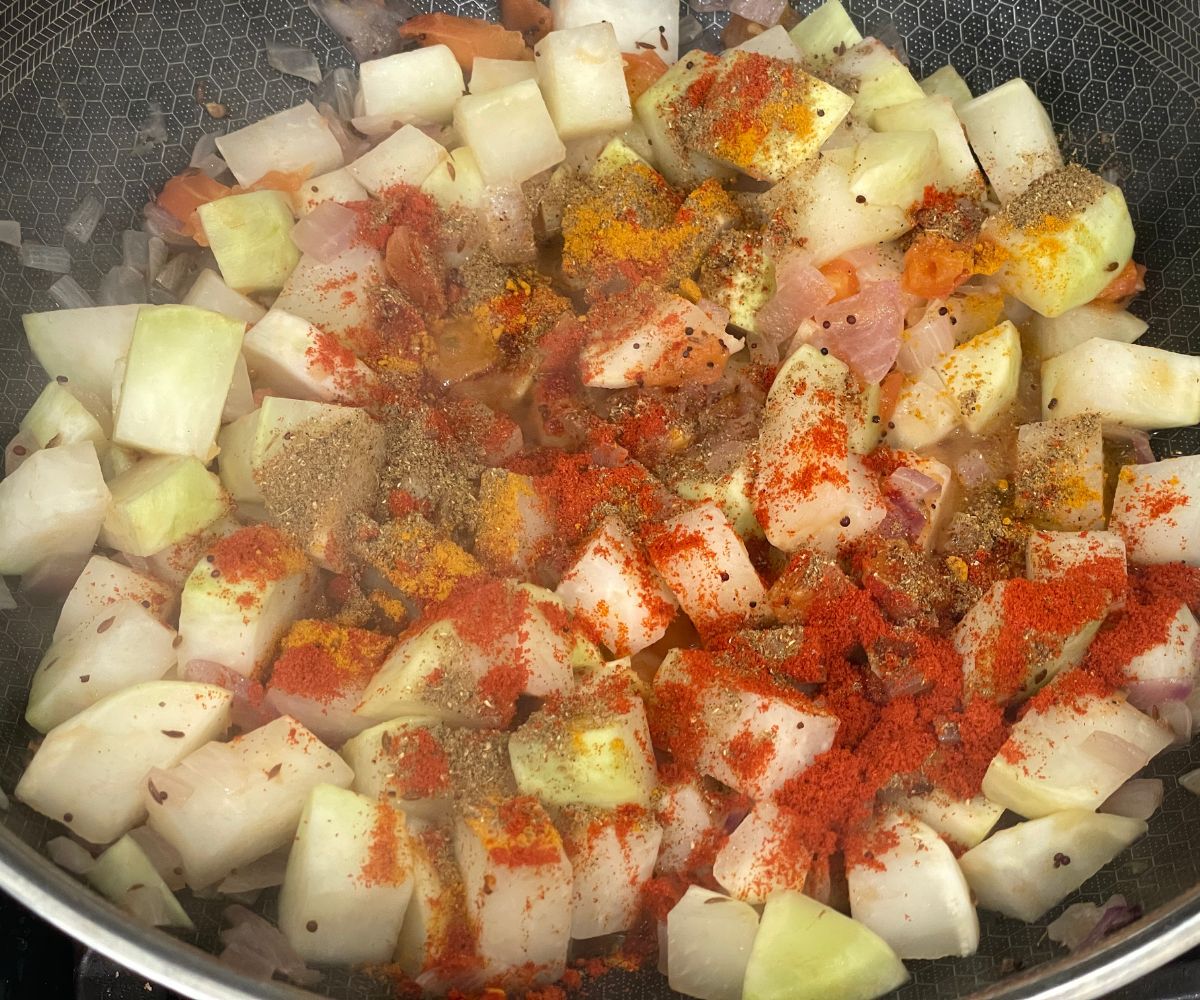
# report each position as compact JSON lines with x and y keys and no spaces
{"x":104,"y":583}
{"x":492,"y":74}
{"x":582,"y":78}
{"x":919,"y":901}
{"x":431,"y":939}
{"x":405,"y":157}
{"x":956,"y":169}
{"x":982,"y":375}
{"x":804,"y":438}
{"x":895,"y":167}
{"x":1127,"y":384}
{"x":292,"y":140}
{"x":815,"y":204}
{"x":517,"y":887}
{"x":806,"y":951}
{"x":1060,"y":473}
{"x":688,"y":816}
{"x":121,"y":646}
{"x":83,"y":345}
{"x":251,"y":237}
{"x":116,"y":459}
{"x":1047,"y":337}
{"x":226,"y":804}
{"x":871,"y":73}
{"x":1054,"y":263}
{"x":737,"y":275}
{"x":1072,"y":756}
{"x":90,"y":772}
{"x":774,"y":42}
{"x":1029,"y":868}
{"x":159,"y":502}
{"x":337,"y":185}
{"x":946,"y":82}
{"x":420,"y":84}
{"x":925,"y":413}
{"x":250,"y":441}
{"x":762,"y":854}
{"x":1012,"y":136}
{"x":730,"y":492}
{"x":1050,"y":554}
{"x":290,"y":356}
{"x":961,"y":822}
{"x":612,"y":858}
{"x":174,"y":564}
{"x":638,"y":23}
{"x":57,"y":417}
{"x":348,"y":879}
{"x":210,"y":292}
{"x":341,"y":312}
{"x":53,"y":505}
{"x":511,"y":133}
{"x":124,"y":875}
{"x":824,"y":33}
{"x":176,"y":379}
{"x":240,"y":399}
{"x":709,"y":937}
{"x":1156,"y":511}
{"x":456,"y":182}
{"x":370,"y":757}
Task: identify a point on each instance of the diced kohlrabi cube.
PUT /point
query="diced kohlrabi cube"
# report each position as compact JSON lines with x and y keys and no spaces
{"x":240,"y":399}
{"x":613,"y":589}
{"x":159,"y":502}
{"x":513,"y":526}
{"x":174,"y":564}
{"x":123,"y":645}
{"x":546,"y":642}
{"x":291,"y":356}
{"x":406,"y":157}
{"x":124,"y":875}
{"x":456,"y":182}
{"x":982,"y":375}
{"x":90,"y":772}
{"x":689,"y":820}
{"x":871,"y":73}
{"x":1175,"y":657}
{"x":1025,"y":870}
{"x":822,"y":35}
{"x":234,"y":614}
{"x":612,"y":857}
{"x":251,"y":237}
{"x":709,"y":937}
{"x":1012,"y":136}
{"x":1060,"y":473}
{"x":176,"y":379}
{"x":57,"y":417}
{"x":894,"y":167}
{"x":956,"y":170}
{"x":582,"y":79}
{"x":1127,"y":384}
{"x":762,"y":854}
{"x":116,"y":459}
{"x":806,"y":951}
{"x":517,"y":884}
{"x":227,"y":804}
{"x":1050,"y":554}
{"x":335,"y":296}
{"x":750,"y":740}
{"x":809,"y":489}
{"x":961,"y":822}
{"x":104,"y":583}
{"x":1072,"y":756}
{"x":210,"y":292}
{"x":83,"y":345}
{"x":1048,"y":337}
{"x":53,"y":505}
{"x":1156,"y":511}
{"x":511,"y":133}
{"x":774,"y":42}
{"x":918,"y":901}
{"x":492,"y":74}
{"x":295,"y":140}
{"x":337,"y":185}
{"x":946,"y":82}
{"x":707,"y":567}
{"x":348,"y":880}
{"x":731,"y":492}
{"x":421,"y":85}
{"x":925,"y":413}
{"x":649,"y":22}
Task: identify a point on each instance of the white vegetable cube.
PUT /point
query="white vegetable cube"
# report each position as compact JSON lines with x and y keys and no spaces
{"x":291,"y":356}
{"x":546,"y":643}
{"x":337,"y":185}
{"x":806,"y":951}
{"x":240,"y":399}
{"x":456,"y":182}
{"x":1013,"y":137}
{"x":431,"y":940}
{"x":511,"y":133}
{"x":946,"y":82}
{"x":251,"y":237}
{"x":727,"y":729}
{"x":774,"y":42}
{"x":983,"y":373}
{"x":174,"y":564}
{"x":161,"y":501}
{"x":89,"y":773}
{"x":874,"y":76}
{"x":918,"y":901}
{"x":1060,"y":473}
{"x":492,"y":74}
{"x":291,"y":140}
{"x":582,"y":79}
{"x":1128,"y":384}
{"x":956,"y":169}
{"x":614,"y":590}
{"x":1156,"y":510}
{"x":894,"y":167}
{"x":1050,"y":336}
{"x":707,"y":567}
{"x":709,"y":937}
{"x":650,"y":22}
{"x":104,"y":583}
{"x":235,"y":608}
{"x":53,"y":505}
{"x":730,"y":492}
{"x":1176,"y":657}
{"x":1049,"y":555}
{"x":1072,"y":754}
{"x":612,"y":858}
{"x":826,"y":31}
{"x":1025,"y":870}
{"x":210,"y":292}
{"x":926,"y":413}
{"x":518,"y":885}
{"x":57,"y":417}
{"x":514,"y":526}
{"x":421,"y":84}
{"x":177,"y":376}
{"x":1054,"y":263}
{"x":123,"y":645}
{"x":764,"y":853}
{"x":688,"y":818}
{"x":83,"y":345}
{"x":124,"y":875}
{"x":348,"y":879}
{"x":961,"y":822}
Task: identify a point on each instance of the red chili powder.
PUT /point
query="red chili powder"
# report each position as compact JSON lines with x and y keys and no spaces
{"x":259,"y":554}
{"x":383,"y":866}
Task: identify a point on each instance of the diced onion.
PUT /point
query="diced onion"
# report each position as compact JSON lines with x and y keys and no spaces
{"x":326,"y":231}
{"x":265,"y":873}
{"x":7,"y":601}
{"x":259,"y":949}
{"x":294,"y":61}
{"x":165,"y":859}
{"x":1137,"y":439}
{"x":1138,"y":798}
{"x":50,"y":579}
{"x":912,"y":484}
{"x":925,"y":342}
{"x":1191,"y":781}
{"x":70,"y":855}
{"x":972,"y":469}
{"x":764,"y":12}
{"x":509,"y":225}
{"x":1118,"y":753}
{"x":1148,"y":695}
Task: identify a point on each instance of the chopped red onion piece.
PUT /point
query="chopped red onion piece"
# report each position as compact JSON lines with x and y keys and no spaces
{"x":1115,"y":751}
{"x":258,"y":948}
{"x":1137,"y":439}
{"x":508,"y":223}
{"x":718,"y":314}
{"x":1148,"y":695}
{"x":249,"y":710}
{"x":51,"y":579}
{"x":1138,"y":798}
{"x":68,"y":854}
{"x":165,"y":859}
{"x":912,"y":484}
{"x":337,"y":91}
{"x":1191,"y":781}
{"x":1117,"y":914}
{"x":265,"y":873}
{"x":294,"y":61}
{"x":157,"y":221}
{"x":38,"y":257}
{"x":924,"y":343}
{"x":973,"y":469}
{"x":764,"y":12}
{"x":326,"y":231}
{"x":800,"y":290}
{"x":904,"y":519}
{"x":864,"y":329}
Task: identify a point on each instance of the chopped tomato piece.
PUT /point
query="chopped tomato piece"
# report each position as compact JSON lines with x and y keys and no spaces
{"x":843,"y":276}
{"x":889,"y":394}
{"x":642,"y":69}
{"x":467,"y":37}
{"x":287,"y":181}
{"x":186,"y":192}
{"x":1129,"y":282}
{"x":934,"y":266}
{"x":530,"y":17}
